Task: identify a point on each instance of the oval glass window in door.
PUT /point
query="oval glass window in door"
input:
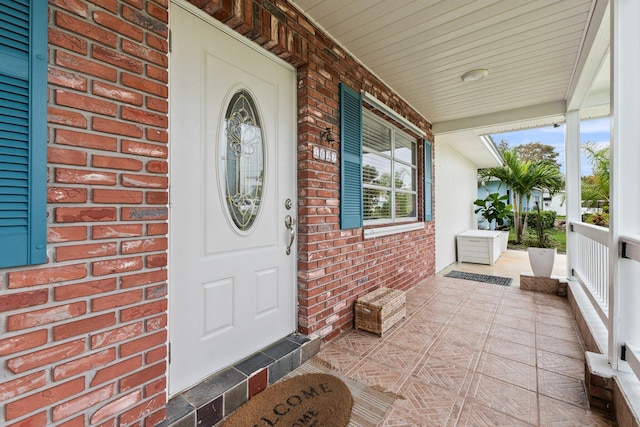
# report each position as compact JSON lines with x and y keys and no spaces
{"x":242,"y":160}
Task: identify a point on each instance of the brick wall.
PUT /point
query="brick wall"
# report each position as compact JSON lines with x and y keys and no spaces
{"x":84,"y":336}
{"x":335,"y":266}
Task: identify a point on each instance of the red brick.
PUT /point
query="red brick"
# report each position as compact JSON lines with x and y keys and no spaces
{"x":157,"y":73}
{"x":155,"y":387}
{"x":116,"y":300}
{"x":154,"y":229}
{"x":84,"y":364}
{"x":65,"y":117}
{"x":144,"y":181}
{"x":156,"y":104}
{"x":110,"y":5}
{"x":22,"y":385}
{"x":45,"y":316}
{"x":158,"y":166}
{"x":85,"y":140}
{"x":76,"y":7}
{"x":44,"y":357}
{"x":158,"y":43}
{"x":84,"y":289}
{"x":116,"y":127}
{"x":144,"y":85}
{"x":45,"y":276}
{"x":120,"y":163}
{"x":64,"y":215}
{"x":159,"y":12}
{"x":39,"y":419}
{"x":117,"y":335}
{"x":67,"y":157}
{"x":144,"y":149}
{"x":83,"y":65}
{"x":117,"y":93}
{"x":91,"y":250}
{"x":116,"y":231}
{"x":67,"y":41}
{"x":144,"y":117}
{"x":146,"y":245}
{"x":142,"y":279}
{"x":84,"y":176}
{"x":120,"y":265}
{"x":85,"y":29}
{"x":155,"y":355}
{"x":122,"y":367}
{"x":16,"y":301}
{"x":143,"y":376}
{"x":144,"y":214}
{"x":143,"y":310}
{"x":145,"y":21}
{"x":158,"y":322}
{"x":116,"y":406}
{"x":75,"y":422}
{"x":144,"y":343}
{"x":118,"y":25}
{"x":83,"y":402}
{"x":23,"y":342}
{"x":144,"y":409}
{"x":86,"y":103}
{"x":66,"y":234}
{"x":144,"y":53}
{"x":156,"y":260}
{"x":114,"y":197}
{"x":83,"y":326}
{"x":66,"y":195}
{"x":157,"y":197}
{"x":66,"y":79}
{"x":116,"y":59}
{"x":43,"y":398}
{"x":157,"y":135}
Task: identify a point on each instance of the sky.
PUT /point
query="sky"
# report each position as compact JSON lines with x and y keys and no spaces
{"x":595,"y":130}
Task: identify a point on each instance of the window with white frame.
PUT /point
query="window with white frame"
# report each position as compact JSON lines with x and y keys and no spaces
{"x":389,"y":172}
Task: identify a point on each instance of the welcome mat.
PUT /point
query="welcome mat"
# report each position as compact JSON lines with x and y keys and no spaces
{"x":314,"y":399}
{"x":485,"y":278}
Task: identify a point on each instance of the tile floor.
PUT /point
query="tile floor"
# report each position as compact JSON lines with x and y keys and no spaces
{"x":474,"y":354}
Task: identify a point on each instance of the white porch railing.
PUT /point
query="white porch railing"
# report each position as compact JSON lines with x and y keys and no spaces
{"x":630,"y":248}
{"x":591,"y":269}
{"x":591,"y":266}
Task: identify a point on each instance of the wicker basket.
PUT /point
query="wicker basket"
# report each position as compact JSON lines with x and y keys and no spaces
{"x":379,"y":310}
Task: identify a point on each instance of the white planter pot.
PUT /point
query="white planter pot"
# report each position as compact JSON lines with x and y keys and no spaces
{"x":541,"y":261}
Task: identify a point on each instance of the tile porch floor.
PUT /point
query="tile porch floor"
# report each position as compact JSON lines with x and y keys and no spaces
{"x":474,"y":354}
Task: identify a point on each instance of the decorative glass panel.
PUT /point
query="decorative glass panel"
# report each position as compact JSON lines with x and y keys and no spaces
{"x":243,"y":160}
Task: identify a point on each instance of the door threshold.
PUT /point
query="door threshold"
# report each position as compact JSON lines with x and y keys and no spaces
{"x":219,"y":395}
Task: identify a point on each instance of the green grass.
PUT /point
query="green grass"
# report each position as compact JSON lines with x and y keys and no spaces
{"x":557,"y":234}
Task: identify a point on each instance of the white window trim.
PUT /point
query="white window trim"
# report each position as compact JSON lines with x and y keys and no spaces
{"x":370,"y":233}
{"x":379,"y":105}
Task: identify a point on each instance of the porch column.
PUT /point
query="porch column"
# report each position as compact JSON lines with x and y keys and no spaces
{"x":625,"y":174}
{"x":572,"y":181}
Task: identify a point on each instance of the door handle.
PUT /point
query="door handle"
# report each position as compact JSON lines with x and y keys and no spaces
{"x":289,"y":222}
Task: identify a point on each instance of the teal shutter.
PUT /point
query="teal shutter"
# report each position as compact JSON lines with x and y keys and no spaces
{"x":350,"y":158}
{"x":428,"y":181}
{"x":23,"y":127}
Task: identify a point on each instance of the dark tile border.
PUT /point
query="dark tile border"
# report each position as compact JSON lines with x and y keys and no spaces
{"x":217,"y":396}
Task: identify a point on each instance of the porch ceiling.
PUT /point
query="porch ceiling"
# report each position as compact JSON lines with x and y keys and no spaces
{"x":544,"y":57}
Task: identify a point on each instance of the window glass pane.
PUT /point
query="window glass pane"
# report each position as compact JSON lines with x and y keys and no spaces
{"x":405,"y":177}
{"x":375,"y":136}
{"x":405,"y":149}
{"x":376,"y":170}
{"x":377,"y":204}
{"x":243,"y":161}
{"x":405,"y":205}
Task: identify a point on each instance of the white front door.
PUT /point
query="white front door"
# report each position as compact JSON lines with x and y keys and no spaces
{"x":233,"y":187}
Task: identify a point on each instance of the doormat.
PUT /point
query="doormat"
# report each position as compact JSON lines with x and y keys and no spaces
{"x":496,"y":280}
{"x":306,"y":400}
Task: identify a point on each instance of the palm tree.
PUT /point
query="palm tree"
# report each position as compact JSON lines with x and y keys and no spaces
{"x":595,"y":188}
{"x":523,"y":177}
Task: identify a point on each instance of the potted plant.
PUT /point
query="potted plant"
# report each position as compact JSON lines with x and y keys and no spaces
{"x":493,"y":208}
{"x":541,"y":249}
